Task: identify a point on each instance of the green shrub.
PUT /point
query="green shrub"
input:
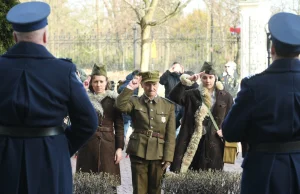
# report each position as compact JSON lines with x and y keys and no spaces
{"x":202,"y":182}
{"x":92,"y":183}
{"x":6,"y":35}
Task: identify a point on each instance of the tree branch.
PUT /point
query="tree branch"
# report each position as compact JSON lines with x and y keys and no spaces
{"x":177,"y":9}
{"x":147,"y":3}
{"x":107,"y":7}
{"x":135,"y":9}
{"x":163,"y":10}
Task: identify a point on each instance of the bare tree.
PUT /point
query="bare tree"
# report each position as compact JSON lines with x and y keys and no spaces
{"x":145,"y":19}
{"x":287,"y":6}
{"x":224,"y":14}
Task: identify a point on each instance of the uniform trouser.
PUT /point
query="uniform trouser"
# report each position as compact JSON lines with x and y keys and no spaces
{"x":146,"y":175}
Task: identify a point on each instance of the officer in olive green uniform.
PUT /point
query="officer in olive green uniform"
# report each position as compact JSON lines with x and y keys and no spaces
{"x":152,"y":143}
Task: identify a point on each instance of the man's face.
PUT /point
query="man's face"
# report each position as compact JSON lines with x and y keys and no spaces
{"x":177,"y":68}
{"x":229,"y":69}
{"x":208,"y":80}
{"x":150,"y":88}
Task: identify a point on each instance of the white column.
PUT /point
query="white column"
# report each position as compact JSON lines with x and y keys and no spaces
{"x":255,"y":15}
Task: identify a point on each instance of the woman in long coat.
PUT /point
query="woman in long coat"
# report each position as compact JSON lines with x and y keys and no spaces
{"x":199,"y":145}
{"x":103,"y":151}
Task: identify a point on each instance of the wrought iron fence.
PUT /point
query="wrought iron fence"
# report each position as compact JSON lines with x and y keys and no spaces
{"x":117,"y":51}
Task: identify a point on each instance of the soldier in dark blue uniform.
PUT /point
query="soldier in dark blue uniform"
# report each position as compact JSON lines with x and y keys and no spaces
{"x":266,"y":115}
{"x":37,"y":91}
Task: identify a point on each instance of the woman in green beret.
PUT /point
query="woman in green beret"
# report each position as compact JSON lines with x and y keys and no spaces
{"x":103,"y":152}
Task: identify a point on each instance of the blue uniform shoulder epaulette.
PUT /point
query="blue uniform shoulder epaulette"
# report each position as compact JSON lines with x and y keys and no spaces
{"x":168,"y":100}
{"x":66,"y":59}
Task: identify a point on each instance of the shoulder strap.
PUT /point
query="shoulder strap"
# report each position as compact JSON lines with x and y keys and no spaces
{"x":211,"y":116}
{"x":212,"y":119}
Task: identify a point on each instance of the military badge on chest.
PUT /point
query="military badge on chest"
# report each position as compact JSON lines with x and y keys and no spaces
{"x":163,"y":119}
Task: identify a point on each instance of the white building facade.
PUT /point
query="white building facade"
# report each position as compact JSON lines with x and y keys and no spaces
{"x":255,"y":15}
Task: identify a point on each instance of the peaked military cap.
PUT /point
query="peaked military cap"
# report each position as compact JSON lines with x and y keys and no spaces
{"x":285,"y":32}
{"x":208,"y":68}
{"x":150,"y":76}
{"x":99,"y":70}
{"x":83,"y":75}
{"x":29,"y":16}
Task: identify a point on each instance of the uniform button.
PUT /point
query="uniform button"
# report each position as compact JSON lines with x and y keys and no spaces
{"x":151,"y":118}
{"x":162,"y":112}
{"x":151,"y":127}
{"x":151,"y":102}
{"x":151,"y":109}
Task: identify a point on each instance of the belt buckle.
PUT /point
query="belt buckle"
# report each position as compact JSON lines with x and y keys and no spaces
{"x":149,"y":133}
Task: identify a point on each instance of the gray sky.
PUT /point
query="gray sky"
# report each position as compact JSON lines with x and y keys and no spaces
{"x":194,"y":4}
{"x":288,"y":5}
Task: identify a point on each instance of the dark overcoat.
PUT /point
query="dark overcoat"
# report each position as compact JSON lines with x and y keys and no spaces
{"x":99,"y":153}
{"x":211,"y":147}
{"x":267,"y":109}
{"x":38,"y":90}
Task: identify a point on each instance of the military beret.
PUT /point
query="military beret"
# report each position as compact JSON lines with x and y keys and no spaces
{"x":208,"y":68}
{"x":29,"y":16}
{"x":99,"y":70}
{"x":150,"y":76}
{"x":285,"y":31}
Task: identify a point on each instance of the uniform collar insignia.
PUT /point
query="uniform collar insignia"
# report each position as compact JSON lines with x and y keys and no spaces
{"x":147,"y":99}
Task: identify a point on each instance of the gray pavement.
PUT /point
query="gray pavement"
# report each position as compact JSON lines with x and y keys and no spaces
{"x":126,"y":185}
{"x":235,"y":167}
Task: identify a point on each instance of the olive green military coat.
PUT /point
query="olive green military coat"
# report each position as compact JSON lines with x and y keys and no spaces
{"x":157,"y":115}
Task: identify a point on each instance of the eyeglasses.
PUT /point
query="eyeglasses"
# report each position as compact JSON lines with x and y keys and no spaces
{"x":227,"y":66}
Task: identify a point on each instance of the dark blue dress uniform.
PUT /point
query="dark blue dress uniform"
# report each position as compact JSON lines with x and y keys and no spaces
{"x":37,"y":91}
{"x":266,"y":115}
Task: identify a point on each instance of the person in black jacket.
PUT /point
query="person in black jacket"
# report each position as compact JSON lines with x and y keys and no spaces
{"x":170,"y":79}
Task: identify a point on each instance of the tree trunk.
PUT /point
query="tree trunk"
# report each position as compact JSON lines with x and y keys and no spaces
{"x":146,"y":34}
{"x":237,"y":56}
{"x":167,"y":51}
{"x":146,"y":47}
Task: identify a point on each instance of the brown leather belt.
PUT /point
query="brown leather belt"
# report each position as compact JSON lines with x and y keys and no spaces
{"x":104,"y":129}
{"x":30,"y":131}
{"x":276,"y":147}
{"x":150,"y":133}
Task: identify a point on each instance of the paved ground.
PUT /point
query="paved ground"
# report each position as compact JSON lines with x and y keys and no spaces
{"x":126,"y":186}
